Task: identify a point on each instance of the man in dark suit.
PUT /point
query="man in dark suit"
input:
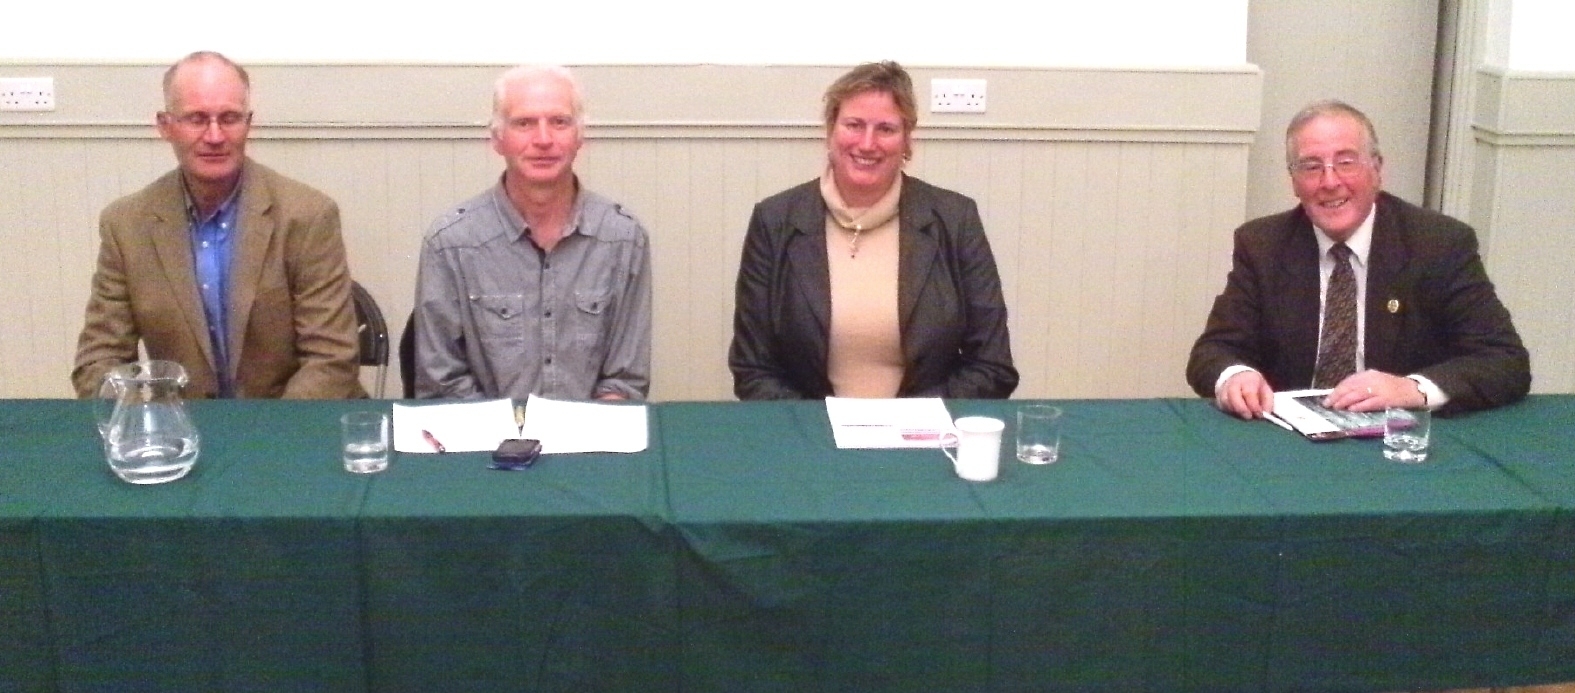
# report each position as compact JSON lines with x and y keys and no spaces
{"x":1428,"y":327}
{"x":222,"y":265}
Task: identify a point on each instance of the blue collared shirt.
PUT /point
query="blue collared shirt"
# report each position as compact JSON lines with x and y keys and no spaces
{"x":212,"y":245}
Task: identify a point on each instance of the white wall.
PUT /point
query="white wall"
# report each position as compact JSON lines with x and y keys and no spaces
{"x":1382,"y":63}
{"x":1531,"y":35}
{"x":1111,"y":33}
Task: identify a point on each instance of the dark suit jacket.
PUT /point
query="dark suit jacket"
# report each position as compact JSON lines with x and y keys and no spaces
{"x":293,"y":329}
{"x":950,"y":309}
{"x":1430,"y":309}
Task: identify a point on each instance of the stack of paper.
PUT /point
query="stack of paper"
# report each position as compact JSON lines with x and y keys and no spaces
{"x":560,"y":426}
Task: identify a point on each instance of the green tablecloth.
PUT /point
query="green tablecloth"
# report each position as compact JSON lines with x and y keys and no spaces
{"x":1172,"y":549}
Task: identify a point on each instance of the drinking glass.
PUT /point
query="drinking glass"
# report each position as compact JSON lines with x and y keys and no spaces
{"x":1406,"y":433}
{"x":1038,"y":433}
{"x":365,"y":441}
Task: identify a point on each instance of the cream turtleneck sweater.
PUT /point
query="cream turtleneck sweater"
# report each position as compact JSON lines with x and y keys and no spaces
{"x":864,"y":357}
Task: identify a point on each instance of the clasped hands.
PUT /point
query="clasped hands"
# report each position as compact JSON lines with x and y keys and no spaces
{"x":1248,"y":395}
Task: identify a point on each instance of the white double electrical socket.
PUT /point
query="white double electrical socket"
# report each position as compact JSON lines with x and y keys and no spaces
{"x":957,"y":95}
{"x":27,"y":93}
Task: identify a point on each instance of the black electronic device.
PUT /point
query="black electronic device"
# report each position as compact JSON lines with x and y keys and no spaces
{"x":514,"y":454}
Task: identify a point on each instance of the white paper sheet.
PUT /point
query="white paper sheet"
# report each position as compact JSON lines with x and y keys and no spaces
{"x":586,"y":426}
{"x":916,"y":422}
{"x":460,"y":427}
{"x":562,"y":427}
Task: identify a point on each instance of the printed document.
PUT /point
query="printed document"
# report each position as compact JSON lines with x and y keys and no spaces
{"x":913,"y":422}
{"x":1303,"y":412}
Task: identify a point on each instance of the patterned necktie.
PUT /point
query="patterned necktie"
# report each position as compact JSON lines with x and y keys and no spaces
{"x":1337,"y":344}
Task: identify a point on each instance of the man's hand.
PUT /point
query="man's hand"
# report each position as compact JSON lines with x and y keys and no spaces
{"x":1245,"y":394}
{"x":1375,"y":391}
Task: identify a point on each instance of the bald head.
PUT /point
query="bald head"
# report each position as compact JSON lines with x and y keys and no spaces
{"x":201,"y":61}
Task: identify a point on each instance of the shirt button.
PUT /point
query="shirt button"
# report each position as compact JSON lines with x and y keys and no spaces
{"x":204,"y":287}
{"x":549,"y":360}
{"x":204,"y":244}
{"x":549,"y":313}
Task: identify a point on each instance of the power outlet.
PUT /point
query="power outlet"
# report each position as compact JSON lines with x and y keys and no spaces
{"x":957,"y":95}
{"x":27,"y":93}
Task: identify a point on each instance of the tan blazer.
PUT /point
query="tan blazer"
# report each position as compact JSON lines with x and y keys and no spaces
{"x":292,"y":325}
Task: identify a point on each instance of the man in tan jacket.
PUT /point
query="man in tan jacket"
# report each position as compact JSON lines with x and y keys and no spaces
{"x":234,"y":271}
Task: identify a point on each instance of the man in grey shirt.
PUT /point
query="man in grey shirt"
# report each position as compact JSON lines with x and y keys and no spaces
{"x":536,"y":285}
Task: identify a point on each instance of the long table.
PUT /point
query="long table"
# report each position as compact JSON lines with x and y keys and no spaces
{"x":1171,"y":549}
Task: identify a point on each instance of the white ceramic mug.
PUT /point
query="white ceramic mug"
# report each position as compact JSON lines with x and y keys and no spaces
{"x":978,"y":444}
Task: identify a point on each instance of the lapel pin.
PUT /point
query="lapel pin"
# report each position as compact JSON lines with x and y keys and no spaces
{"x":1393,"y":306}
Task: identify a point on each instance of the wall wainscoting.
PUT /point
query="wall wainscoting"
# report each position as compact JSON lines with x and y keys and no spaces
{"x":1108,"y":195}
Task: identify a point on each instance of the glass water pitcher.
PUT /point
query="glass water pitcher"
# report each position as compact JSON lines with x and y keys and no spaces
{"x":148,"y":436}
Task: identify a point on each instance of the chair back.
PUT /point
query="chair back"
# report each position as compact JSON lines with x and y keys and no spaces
{"x":372,"y":333}
{"x":407,"y":357}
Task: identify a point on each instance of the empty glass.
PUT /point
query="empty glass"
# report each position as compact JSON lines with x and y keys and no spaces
{"x":1038,"y":433}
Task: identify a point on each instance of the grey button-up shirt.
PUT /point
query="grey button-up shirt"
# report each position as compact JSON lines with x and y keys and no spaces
{"x":497,"y":317}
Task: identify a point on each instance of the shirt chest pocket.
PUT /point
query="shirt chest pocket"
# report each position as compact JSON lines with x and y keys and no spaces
{"x":591,"y":312}
{"x":499,"y":316}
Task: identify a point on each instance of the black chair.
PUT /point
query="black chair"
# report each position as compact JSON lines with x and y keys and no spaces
{"x":407,"y":356}
{"x":372,"y":333}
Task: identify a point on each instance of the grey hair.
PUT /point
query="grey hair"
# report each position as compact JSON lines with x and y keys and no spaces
{"x":528,"y":72}
{"x":1320,"y":109}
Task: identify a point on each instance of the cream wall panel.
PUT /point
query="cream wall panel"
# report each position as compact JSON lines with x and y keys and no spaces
{"x":1533,"y":241}
{"x":48,"y":224}
{"x":1028,"y":265}
{"x":15,"y":353}
{"x":1378,"y":56}
{"x":1108,"y":196}
{"x":1523,"y":207}
{"x":12,"y":290}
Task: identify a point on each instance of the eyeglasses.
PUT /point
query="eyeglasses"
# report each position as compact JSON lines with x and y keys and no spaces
{"x":198,"y":120}
{"x":1343,"y":166}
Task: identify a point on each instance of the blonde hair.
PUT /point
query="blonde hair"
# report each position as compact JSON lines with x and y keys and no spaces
{"x":886,"y":77}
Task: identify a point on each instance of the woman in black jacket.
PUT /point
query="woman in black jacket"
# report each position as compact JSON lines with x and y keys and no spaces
{"x":867,"y":282}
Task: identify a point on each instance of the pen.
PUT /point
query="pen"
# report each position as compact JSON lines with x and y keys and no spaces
{"x":433,"y":440}
{"x":519,"y":419}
